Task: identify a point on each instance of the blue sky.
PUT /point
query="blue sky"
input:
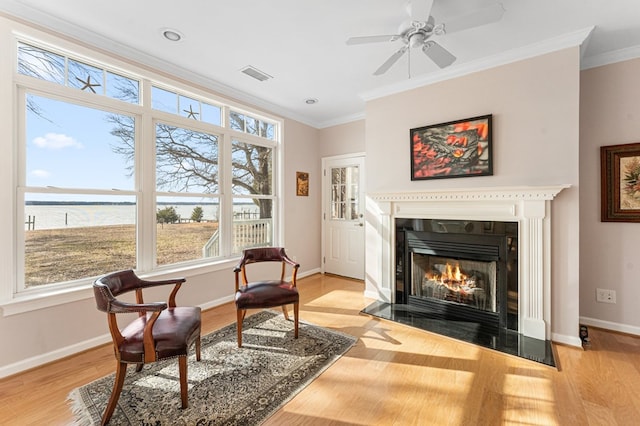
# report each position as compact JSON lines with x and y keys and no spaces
{"x":71,"y":146}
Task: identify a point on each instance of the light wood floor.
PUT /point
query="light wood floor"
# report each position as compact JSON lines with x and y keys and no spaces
{"x":394,"y":375}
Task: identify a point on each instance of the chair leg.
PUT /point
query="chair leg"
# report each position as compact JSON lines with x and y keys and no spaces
{"x":285,"y":312}
{"x":121,"y":372}
{"x":198,"y":346}
{"x":139,"y":367}
{"x":182,"y":365}
{"x":295,"y":319}
{"x":240,"y":314}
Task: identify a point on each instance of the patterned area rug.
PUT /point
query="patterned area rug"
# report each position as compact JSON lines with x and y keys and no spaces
{"x":229,"y":386}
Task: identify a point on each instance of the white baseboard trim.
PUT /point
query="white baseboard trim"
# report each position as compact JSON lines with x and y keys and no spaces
{"x":37,"y":361}
{"x":309,"y":273}
{"x":608,"y":325}
{"x":566,"y":340}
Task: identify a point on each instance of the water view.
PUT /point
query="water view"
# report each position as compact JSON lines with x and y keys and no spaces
{"x":56,"y":216}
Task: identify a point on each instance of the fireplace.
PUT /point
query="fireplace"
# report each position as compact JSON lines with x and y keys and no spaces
{"x":526,"y":208}
{"x":459,"y":270}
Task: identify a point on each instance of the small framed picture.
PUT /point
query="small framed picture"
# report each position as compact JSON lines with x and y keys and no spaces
{"x":302,"y":184}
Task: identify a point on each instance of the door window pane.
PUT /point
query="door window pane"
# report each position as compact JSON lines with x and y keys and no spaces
{"x":345,"y":203}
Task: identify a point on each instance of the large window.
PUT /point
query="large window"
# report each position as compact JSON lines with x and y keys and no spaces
{"x":107,"y":182}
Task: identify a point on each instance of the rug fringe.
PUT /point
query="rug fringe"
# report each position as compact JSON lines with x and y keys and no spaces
{"x":81,"y":415}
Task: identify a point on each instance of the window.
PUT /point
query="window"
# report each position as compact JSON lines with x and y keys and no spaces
{"x":107,"y":182}
{"x":71,"y":213}
{"x":187,"y":225}
{"x":252,"y":183}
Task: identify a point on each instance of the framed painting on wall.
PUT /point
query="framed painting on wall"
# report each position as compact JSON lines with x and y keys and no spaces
{"x":459,"y":148}
{"x":620,"y":183}
{"x":302,"y":184}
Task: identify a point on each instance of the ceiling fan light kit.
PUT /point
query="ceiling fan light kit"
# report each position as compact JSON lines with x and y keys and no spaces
{"x":418,"y":30}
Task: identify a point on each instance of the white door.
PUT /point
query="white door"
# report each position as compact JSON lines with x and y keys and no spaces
{"x":343,"y":216}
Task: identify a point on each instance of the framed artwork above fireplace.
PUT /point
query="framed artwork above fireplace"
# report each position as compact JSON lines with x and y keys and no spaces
{"x":459,"y":148}
{"x":620,"y":183}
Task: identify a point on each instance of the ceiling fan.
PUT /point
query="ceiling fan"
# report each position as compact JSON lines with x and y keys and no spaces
{"x":418,"y":31}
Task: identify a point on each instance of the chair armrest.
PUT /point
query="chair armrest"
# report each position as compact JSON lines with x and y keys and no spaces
{"x":118,"y":307}
{"x":155,"y":283}
{"x":290,"y":261}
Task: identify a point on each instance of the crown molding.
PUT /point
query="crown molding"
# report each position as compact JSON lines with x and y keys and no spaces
{"x":612,"y":57}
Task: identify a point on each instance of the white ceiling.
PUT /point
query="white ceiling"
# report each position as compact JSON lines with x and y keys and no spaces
{"x":302,"y":43}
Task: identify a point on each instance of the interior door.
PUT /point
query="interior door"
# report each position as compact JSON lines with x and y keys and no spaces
{"x":343,"y":216}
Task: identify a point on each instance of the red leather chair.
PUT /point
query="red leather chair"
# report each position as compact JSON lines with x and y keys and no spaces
{"x":263,"y":293}
{"x":162,"y":330}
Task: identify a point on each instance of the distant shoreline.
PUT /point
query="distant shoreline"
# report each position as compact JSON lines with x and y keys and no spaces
{"x":117,"y":203}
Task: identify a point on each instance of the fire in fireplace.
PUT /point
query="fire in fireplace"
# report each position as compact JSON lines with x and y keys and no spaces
{"x":442,"y":278}
{"x":459,"y":270}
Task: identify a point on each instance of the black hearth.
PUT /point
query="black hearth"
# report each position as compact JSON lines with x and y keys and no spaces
{"x":460,"y":279}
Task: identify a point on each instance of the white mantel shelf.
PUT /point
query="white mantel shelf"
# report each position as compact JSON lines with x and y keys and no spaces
{"x":527,"y":205}
{"x":465,"y":194}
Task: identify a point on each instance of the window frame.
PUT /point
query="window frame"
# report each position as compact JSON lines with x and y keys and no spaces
{"x":16,"y":299}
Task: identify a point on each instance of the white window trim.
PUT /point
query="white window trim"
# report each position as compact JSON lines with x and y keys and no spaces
{"x":11,"y":302}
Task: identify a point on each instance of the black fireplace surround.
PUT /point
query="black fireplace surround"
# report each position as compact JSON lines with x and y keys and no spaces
{"x":454,"y":243}
{"x":478,"y":303}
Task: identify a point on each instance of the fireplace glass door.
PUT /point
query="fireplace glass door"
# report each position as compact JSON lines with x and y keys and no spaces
{"x":467,"y":282}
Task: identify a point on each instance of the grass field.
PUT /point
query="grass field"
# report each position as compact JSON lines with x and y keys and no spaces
{"x":56,"y":255}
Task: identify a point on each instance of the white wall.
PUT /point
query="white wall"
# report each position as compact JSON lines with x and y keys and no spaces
{"x":609,"y":115}
{"x":534,"y":104}
{"x":43,"y":335}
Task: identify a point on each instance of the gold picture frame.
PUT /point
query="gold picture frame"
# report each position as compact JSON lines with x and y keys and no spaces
{"x":302,"y":184}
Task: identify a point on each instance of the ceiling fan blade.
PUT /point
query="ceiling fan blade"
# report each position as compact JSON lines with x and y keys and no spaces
{"x":483,"y":16}
{"x":419,"y":10}
{"x":392,"y":60}
{"x":438,"y":54}
{"x":372,"y":39}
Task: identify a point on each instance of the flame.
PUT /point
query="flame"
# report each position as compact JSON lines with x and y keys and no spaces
{"x":452,"y":277}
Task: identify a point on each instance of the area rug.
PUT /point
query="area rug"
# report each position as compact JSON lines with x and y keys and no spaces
{"x":229,"y":386}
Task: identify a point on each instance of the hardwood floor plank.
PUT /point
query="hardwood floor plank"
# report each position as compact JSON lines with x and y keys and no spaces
{"x":394,"y":375}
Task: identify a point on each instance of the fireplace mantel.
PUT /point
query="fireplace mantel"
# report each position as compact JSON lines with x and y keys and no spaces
{"x":529,"y":206}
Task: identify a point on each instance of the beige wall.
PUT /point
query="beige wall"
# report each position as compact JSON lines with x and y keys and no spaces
{"x":534,"y":104}
{"x":609,"y":115}
{"x":343,"y":139}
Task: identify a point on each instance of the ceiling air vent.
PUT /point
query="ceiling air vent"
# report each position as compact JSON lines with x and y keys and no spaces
{"x":255,"y":73}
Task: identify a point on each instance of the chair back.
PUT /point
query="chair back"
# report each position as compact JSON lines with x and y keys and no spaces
{"x":265,"y":254}
{"x":108,"y":287}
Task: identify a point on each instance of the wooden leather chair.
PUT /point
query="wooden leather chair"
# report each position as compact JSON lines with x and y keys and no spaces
{"x":263,"y":293}
{"x":162,"y":330}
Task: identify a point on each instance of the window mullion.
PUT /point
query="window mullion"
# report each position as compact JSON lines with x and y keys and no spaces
{"x":146,"y":184}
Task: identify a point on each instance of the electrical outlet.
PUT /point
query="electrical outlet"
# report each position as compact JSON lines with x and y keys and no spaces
{"x":605,"y":296}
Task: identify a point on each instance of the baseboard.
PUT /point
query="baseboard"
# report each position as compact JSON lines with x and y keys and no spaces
{"x":308,"y":273}
{"x":37,"y":361}
{"x":566,"y":340}
{"x":608,"y":325}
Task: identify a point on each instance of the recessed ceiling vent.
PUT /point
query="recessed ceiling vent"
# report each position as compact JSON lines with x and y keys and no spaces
{"x":252,"y":71}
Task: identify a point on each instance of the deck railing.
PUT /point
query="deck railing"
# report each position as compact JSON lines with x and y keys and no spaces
{"x":246,"y":234}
